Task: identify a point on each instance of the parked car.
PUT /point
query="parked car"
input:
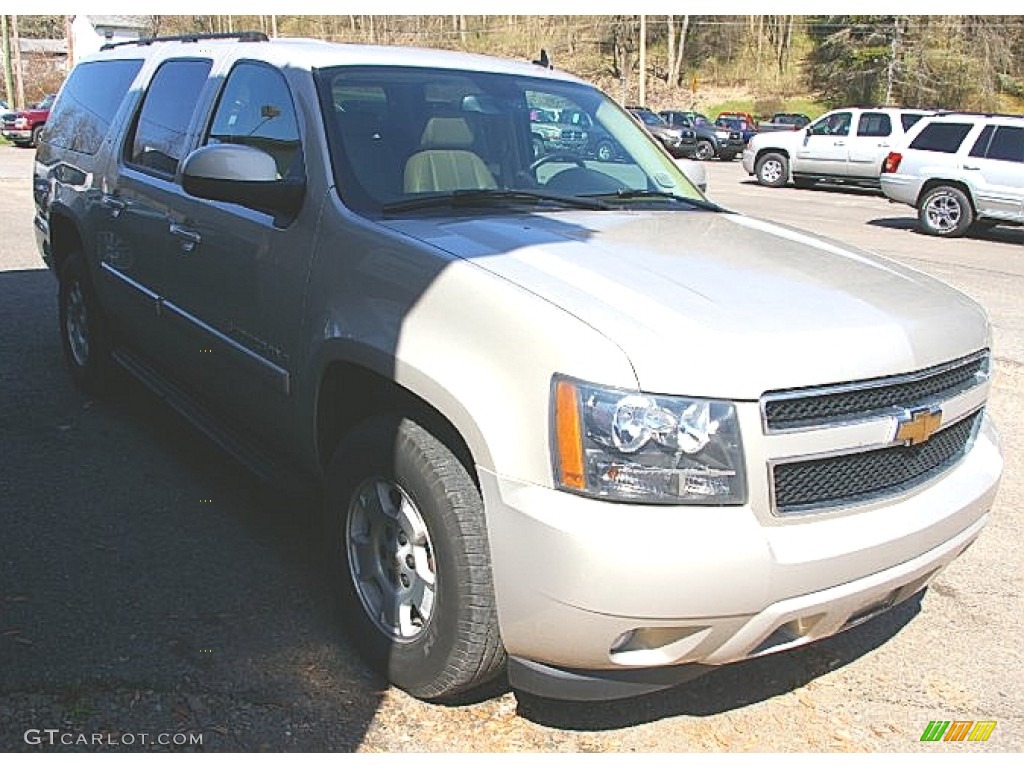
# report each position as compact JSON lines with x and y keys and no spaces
{"x":596,"y":142}
{"x":845,"y":146}
{"x":712,"y":141}
{"x":24,"y":127}
{"x":746,"y":129}
{"x":784,"y":121}
{"x":744,"y":116}
{"x":569,"y":417}
{"x":551,"y":134}
{"x":960,"y":171}
{"x":680,"y":142}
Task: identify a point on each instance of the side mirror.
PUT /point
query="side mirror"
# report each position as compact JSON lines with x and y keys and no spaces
{"x":236,"y":173}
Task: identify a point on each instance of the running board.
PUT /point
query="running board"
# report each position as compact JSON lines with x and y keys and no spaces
{"x":243,"y":449}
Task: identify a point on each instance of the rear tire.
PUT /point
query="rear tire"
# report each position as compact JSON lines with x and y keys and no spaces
{"x":945,"y":211}
{"x":410,"y":558}
{"x":772,"y":170}
{"x":84,"y":333}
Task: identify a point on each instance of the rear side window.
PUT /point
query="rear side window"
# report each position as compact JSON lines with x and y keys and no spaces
{"x":981,"y":145}
{"x":941,"y":137}
{"x":158,"y":137}
{"x":1007,"y":144}
{"x":874,"y":124}
{"x":90,"y":99}
{"x":908,"y":119}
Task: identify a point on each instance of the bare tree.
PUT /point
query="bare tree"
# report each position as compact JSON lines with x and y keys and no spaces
{"x":676,"y":49}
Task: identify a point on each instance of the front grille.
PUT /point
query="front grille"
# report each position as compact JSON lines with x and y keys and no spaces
{"x":863,"y":399}
{"x":858,"y":477}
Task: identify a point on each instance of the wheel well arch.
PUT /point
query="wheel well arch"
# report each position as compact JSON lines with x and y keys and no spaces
{"x":349,"y":393}
{"x":65,"y":238}
{"x":771,"y":151}
{"x":931,"y":184}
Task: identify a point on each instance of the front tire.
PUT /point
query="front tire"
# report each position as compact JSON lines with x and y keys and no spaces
{"x":705,"y":150}
{"x":410,"y":557}
{"x":945,"y":211}
{"x":605,"y":151}
{"x":772,"y":170}
{"x":84,"y":333}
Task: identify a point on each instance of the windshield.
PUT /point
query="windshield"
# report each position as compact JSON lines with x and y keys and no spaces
{"x":649,"y":118}
{"x":400,"y":134}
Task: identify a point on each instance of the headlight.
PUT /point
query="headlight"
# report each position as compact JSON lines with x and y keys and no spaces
{"x":21,"y":122}
{"x":629,"y":446}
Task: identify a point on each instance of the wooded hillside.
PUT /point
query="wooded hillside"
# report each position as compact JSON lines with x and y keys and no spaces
{"x":762,"y":62}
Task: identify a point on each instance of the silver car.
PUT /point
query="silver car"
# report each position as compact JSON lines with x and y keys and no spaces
{"x":960,"y":171}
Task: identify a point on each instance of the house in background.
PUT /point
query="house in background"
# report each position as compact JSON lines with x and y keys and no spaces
{"x":90,"y":33}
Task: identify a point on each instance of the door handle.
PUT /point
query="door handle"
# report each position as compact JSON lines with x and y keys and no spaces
{"x":840,"y":144}
{"x":972,"y":167}
{"x":115,"y":204}
{"x":189,"y":237}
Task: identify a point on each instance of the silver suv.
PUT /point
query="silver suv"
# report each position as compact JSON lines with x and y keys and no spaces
{"x":845,"y":146}
{"x":567,"y":414}
{"x":960,"y":171}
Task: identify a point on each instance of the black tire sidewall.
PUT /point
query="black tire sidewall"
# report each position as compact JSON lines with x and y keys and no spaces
{"x":390,"y":447}
{"x":704,"y":150}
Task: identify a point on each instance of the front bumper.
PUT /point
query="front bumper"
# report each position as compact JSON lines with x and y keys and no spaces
{"x":16,"y":135}
{"x":749,"y":156}
{"x":593,"y":587}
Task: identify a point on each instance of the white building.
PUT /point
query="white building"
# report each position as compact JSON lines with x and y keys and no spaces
{"x":89,"y":33}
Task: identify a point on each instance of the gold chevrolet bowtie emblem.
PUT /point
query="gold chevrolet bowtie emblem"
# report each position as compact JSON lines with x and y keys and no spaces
{"x":915,"y":427}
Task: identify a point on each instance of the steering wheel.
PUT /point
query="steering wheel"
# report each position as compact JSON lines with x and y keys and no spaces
{"x":557,"y":157}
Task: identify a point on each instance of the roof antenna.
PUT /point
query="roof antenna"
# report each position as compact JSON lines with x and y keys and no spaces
{"x":544,"y":61}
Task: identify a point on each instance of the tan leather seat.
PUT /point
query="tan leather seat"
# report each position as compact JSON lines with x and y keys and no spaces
{"x":446,"y":164}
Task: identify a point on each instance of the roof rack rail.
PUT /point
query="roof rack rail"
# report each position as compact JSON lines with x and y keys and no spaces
{"x":242,"y":37}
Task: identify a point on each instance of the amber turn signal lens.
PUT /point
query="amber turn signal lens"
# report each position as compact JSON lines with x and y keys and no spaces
{"x":569,"y":436}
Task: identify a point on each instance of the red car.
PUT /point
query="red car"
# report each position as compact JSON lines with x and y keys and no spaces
{"x":740,"y":115}
{"x":24,"y":127}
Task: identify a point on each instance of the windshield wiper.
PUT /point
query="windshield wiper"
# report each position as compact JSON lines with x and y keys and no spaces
{"x":475,"y":197}
{"x":639,"y":194}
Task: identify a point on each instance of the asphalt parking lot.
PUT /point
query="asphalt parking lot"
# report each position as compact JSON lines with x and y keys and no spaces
{"x":150,"y":587}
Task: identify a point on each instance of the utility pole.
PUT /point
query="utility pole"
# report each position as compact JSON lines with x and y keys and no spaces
{"x":69,"y":39}
{"x":643,"y":61}
{"x":19,"y":77}
{"x":5,"y":41}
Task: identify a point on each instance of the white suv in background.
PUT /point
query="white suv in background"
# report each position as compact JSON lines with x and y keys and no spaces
{"x":845,"y":146}
{"x":960,"y":170}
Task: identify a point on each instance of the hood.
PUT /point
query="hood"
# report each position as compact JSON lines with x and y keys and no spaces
{"x":720,"y":305}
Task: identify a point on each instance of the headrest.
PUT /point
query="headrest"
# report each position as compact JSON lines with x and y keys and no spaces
{"x":449,"y":132}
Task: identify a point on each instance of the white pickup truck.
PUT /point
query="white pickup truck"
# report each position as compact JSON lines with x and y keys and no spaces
{"x":845,"y":146}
